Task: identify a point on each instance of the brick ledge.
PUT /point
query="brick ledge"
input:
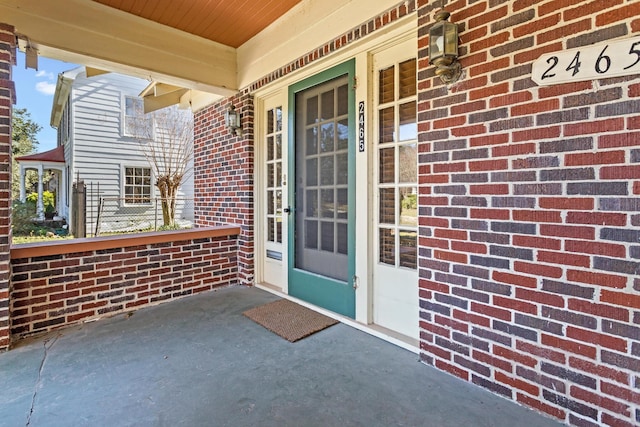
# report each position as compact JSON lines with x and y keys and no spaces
{"x":29,"y":250}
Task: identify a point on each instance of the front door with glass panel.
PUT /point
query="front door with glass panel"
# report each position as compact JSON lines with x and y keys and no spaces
{"x":321,"y":170}
{"x":395,"y":191}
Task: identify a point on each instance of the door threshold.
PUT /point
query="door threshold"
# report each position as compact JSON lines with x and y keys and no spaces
{"x":385,"y":334}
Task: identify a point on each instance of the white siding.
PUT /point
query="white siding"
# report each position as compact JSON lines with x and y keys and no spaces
{"x":100,"y":151}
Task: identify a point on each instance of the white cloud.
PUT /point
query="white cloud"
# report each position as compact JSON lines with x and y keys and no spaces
{"x":43,"y":73}
{"x":46,"y":88}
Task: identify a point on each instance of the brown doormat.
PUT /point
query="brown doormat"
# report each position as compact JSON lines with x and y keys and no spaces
{"x":289,"y":320}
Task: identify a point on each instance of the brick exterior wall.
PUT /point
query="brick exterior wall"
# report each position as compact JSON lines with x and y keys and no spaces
{"x":7,"y":99}
{"x":52,"y":291}
{"x":223,"y":176}
{"x":529,"y":212}
{"x":529,"y":207}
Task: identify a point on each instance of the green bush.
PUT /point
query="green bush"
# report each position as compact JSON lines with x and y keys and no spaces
{"x":21,"y":219}
{"x":48,"y":199}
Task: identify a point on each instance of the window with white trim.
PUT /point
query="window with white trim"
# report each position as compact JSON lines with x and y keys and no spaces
{"x":136,"y":122}
{"x":137,"y":185}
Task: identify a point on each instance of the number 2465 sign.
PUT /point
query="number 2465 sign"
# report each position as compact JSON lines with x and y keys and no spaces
{"x":612,"y":59}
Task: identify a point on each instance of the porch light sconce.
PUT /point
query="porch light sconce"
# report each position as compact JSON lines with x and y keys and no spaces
{"x":443,"y":48}
{"x":232,"y":120}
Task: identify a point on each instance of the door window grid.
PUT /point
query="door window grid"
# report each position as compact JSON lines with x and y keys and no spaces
{"x":397,"y":165}
{"x":326,"y":194}
{"x":273,"y":136}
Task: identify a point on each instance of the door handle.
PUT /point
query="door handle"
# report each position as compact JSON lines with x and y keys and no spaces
{"x":288,"y":209}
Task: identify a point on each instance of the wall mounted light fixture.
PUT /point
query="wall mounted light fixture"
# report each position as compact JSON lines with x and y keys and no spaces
{"x":232,"y":120}
{"x":443,"y":48}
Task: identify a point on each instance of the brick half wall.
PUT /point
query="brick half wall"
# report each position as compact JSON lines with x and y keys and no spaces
{"x":69,"y":283}
{"x":529,"y":212}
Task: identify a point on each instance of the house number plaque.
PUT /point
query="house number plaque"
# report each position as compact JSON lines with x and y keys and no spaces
{"x":361,"y":126}
{"x":599,"y":61}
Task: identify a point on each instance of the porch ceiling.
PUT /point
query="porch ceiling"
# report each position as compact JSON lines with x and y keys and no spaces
{"x":230,"y":22}
{"x":185,"y":43}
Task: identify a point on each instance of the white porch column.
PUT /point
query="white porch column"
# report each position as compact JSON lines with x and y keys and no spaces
{"x":23,"y":183}
{"x":62,"y":194}
{"x":40,"y":205}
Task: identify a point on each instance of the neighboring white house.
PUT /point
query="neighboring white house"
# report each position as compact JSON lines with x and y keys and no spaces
{"x":97,"y":146}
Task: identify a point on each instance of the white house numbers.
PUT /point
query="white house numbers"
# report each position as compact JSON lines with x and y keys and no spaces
{"x":599,"y":61}
{"x":361,"y":126}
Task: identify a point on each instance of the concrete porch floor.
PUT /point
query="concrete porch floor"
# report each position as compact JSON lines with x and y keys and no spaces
{"x":199,"y":362}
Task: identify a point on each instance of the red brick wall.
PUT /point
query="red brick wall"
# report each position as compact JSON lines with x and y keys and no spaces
{"x":52,"y":291}
{"x":530,"y":212}
{"x":7,"y":99}
{"x":223,"y":175}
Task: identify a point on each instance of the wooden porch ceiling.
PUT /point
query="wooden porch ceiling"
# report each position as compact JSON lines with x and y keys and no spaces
{"x":229,"y":22}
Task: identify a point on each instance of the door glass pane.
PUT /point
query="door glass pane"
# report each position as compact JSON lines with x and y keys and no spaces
{"x":269,"y":148}
{"x":387,"y":206}
{"x":270,"y":121}
{"x":271,"y":229}
{"x":312,"y":110}
{"x":386,"y":133}
{"x":326,"y":170}
{"x":279,"y":230}
{"x":327,"y":236}
{"x":278,"y":118}
{"x":408,"y":248}
{"x":312,"y":203}
{"x":408,"y":166}
{"x":342,"y":168}
{"x":270,"y":203}
{"x":312,"y":140}
{"x":342,"y":135}
{"x":386,"y":79}
{"x":408,"y":121}
{"x":270,"y":175}
{"x":387,"y":245}
{"x":342,"y":238}
{"x":408,"y":197}
{"x":279,"y":146}
{"x":278,"y":174}
{"x":342,"y":203}
{"x":387,"y":165}
{"x":328,"y":206}
{"x":326,"y":138}
{"x":312,"y":171}
{"x":407,"y":71}
{"x":327,"y":105}
{"x":343,"y":100}
{"x":311,"y":234}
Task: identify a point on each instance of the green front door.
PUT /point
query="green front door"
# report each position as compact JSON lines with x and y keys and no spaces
{"x":321,"y":176}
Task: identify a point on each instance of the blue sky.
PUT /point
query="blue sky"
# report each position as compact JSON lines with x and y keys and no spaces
{"x":34,"y":90}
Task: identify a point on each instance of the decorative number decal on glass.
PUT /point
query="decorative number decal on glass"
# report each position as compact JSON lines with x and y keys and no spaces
{"x":604,"y":60}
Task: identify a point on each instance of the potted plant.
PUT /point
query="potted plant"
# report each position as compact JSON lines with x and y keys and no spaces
{"x":49,"y":211}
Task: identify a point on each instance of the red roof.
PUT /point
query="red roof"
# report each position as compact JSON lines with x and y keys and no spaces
{"x":55,"y":155}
